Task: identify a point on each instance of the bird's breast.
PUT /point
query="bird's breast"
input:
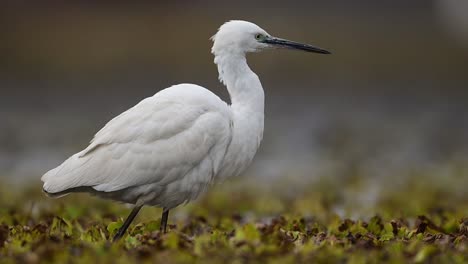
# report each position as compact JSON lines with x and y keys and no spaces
{"x":247,"y":133}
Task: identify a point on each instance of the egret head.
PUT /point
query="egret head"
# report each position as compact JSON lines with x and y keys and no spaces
{"x":240,"y":37}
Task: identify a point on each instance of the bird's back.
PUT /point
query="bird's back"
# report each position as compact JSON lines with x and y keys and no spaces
{"x":163,"y":151}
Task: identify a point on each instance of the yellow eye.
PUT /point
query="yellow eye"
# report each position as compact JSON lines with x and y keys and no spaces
{"x":258,"y":36}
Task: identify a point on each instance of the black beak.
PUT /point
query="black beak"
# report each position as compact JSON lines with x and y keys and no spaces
{"x":284,"y":43}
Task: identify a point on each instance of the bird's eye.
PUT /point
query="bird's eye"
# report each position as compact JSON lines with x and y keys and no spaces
{"x":258,"y":36}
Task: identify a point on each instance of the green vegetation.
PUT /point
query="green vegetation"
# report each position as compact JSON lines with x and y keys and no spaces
{"x":240,"y":222}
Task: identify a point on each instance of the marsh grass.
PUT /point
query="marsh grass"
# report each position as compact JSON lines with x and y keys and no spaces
{"x":241,"y":221}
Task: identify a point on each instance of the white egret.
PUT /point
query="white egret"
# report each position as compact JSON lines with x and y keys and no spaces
{"x":170,"y":147}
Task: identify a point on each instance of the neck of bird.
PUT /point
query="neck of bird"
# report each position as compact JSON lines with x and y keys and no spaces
{"x":243,"y":85}
{"x":247,"y":105}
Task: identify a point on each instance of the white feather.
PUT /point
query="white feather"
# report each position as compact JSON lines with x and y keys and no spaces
{"x":161,"y":140}
{"x":170,"y":147}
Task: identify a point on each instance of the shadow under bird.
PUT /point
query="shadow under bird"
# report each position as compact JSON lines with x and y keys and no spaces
{"x":169,"y":148}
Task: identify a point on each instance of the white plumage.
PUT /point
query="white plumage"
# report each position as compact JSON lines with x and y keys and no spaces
{"x":170,"y":147}
{"x":163,"y":151}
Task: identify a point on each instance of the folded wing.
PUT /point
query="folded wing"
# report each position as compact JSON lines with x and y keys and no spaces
{"x":159,"y":140}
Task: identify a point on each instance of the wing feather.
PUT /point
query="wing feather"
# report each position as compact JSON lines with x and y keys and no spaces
{"x":157,"y":141}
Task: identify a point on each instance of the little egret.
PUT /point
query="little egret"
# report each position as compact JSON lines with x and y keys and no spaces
{"x":170,"y":147}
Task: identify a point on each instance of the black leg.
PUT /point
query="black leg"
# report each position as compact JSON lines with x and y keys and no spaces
{"x":120,"y":233}
{"x":164,"y":217}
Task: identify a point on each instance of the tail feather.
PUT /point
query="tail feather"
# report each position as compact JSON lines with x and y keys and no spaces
{"x":55,"y":195}
{"x":68,"y":191}
{"x":61,"y":180}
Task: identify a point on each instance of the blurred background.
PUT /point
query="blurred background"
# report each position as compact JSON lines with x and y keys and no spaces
{"x":387,"y":108}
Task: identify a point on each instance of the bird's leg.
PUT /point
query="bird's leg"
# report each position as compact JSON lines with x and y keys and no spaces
{"x":127,"y":222}
{"x":165,"y":215}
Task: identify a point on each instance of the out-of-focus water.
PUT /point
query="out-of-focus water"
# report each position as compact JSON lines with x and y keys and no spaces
{"x":389,"y":104}
{"x":306,"y":137}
